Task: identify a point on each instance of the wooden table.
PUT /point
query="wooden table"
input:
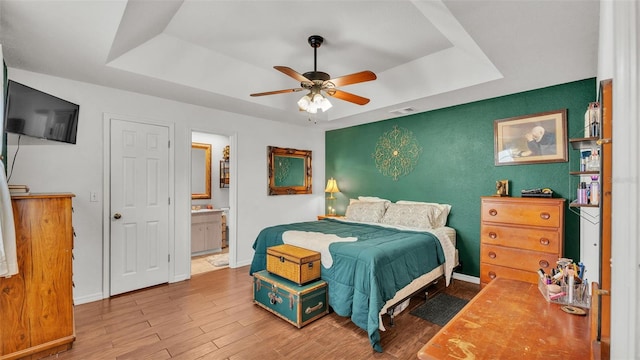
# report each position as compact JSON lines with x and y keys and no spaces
{"x":320,"y":217}
{"x":509,"y":319}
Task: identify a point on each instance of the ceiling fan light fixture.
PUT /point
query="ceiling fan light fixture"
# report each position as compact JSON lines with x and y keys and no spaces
{"x":322,"y":102}
{"x":312,"y":102}
{"x":305,"y":102}
{"x":318,"y":81}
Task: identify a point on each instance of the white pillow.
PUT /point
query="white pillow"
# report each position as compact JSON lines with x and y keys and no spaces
{"x":417,"y":216}
{"x":438,"y":221}
{"x":375,"y":199}
{"x":365,"y":211}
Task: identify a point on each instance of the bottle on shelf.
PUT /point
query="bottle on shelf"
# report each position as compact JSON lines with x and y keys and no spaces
{"x":594,"y":191}
{"x":582,"y":193}
{"x":592,"y":120}
{"x":593,"y":161}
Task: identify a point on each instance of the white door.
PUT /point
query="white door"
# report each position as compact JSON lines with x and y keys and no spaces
{"x":139,"y":205}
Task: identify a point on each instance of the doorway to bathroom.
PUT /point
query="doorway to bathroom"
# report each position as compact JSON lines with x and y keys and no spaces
{"x":210,"y":176}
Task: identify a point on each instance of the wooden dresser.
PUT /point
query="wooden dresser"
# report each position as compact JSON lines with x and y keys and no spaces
{"x":518,"y":236}
{"x":36,"y":305}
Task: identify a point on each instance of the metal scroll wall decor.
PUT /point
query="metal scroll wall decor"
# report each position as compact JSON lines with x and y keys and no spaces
{"x":282,"y":169}
{"x":397,"y":153}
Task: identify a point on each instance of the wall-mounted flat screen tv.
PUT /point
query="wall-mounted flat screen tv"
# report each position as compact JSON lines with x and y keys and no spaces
{"x":37,"y":114}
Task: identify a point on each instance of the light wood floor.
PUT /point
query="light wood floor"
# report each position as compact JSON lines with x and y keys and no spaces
{"x":212,"y":316}
{"x":200,"y":264}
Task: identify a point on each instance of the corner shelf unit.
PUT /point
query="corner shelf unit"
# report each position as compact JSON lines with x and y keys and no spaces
{"x":585,"y":144}
{"x":224,"y":174}
{"x":595,"y":142}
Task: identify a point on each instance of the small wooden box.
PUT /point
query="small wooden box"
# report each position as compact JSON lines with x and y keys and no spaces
{"x":298,"y":305}
{"x":294,"y":263}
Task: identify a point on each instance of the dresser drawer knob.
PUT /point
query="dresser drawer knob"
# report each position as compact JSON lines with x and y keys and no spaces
{"x":545,"y":216}
{"x":543,"y":263}
{"x":544,"y":241}
{"x":492,"y":275}
{"x":492,"y":254}
{"x":493,"y":212}
{"x":493,"y":235}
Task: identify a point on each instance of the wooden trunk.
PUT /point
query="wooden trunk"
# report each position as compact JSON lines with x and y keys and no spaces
{"x":36,"y":305}
{"x":298,"y":305}
{"x":294,"y":263}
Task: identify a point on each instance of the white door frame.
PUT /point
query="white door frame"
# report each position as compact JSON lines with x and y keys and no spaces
{"x":233,"y":202}
{"x":106,"y":197}
{"x":233,"y":194}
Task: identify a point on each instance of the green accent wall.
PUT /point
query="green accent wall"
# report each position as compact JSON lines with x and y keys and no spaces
{"x":456,"y":165}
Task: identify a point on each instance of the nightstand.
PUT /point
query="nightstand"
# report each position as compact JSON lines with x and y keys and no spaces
{"x":320,"y":217}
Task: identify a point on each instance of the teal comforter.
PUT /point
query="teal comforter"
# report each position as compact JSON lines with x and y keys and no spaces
{"x":365,"y":273}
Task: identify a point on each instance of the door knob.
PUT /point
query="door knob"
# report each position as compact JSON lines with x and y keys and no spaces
{"x":117,"y":216}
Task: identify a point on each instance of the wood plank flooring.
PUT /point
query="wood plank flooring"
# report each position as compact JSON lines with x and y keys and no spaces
{"x":212,"y":316}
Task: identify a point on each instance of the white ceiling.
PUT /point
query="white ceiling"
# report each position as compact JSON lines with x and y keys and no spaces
{"x":427,"y":54}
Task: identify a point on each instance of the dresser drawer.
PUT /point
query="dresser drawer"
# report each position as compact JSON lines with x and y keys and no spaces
{"x":517,"y":258}
{"x":537,"y":239}
{"x":532,"y":213}
{"x":490,"y":271}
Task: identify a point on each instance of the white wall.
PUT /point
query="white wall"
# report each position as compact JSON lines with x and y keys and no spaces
{"x":50,"y":167}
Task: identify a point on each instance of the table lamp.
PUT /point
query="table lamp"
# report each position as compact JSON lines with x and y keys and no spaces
{"x":332,"y":187}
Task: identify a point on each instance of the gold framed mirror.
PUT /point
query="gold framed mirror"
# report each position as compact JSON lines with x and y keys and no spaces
{"x":289,"y":171}
{"x":200,"y":171}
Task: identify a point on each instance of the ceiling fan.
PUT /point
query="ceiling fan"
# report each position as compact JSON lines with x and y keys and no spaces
{"x":318,"y":82}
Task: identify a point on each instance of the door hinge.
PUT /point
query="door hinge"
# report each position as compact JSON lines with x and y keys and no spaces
{"x":169,"y":143}
{"x":169,"y":201}
{"x":168,"y":257}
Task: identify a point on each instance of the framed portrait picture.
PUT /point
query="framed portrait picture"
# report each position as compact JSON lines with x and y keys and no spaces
{"x":502,"y":188}
{"x":531,"y":139}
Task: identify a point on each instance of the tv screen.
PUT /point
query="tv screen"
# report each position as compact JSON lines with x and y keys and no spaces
{"x":34,"y":113}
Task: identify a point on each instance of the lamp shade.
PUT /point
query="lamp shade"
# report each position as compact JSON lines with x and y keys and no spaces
{"x":304,"y":102}
{"x":314,"y":101}
{"x":332,"y":186}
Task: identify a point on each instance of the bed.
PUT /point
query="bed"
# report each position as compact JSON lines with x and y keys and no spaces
{"x":377,"y":256}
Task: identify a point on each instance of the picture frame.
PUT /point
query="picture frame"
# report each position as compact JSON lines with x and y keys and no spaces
{"x":531,"y":139}
{"x":502,"y":188}
{"x":289,"y":171}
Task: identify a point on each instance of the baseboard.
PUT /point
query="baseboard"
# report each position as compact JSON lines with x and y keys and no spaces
{"x":87,"y":298}
{"x":241,"y":264}
{"x":467,"y":278}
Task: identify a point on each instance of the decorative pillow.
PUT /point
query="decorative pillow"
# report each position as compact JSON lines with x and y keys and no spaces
{"x":365,"y":211}
{"x":375,"y":199}
{"x":417,"y":216}
{"x":438,"y":221}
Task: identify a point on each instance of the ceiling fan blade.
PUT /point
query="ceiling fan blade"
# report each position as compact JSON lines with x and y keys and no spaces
{"x":277,"y":92}
{"x":343,"y":95}
{"x":355,"y":78}
{"x":290,"y":72}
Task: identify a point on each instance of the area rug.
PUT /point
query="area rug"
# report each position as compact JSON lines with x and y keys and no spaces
{"x":219,"y":260}
{"x":440,"y":308}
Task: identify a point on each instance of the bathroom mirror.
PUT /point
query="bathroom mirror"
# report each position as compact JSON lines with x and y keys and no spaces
{"x":200,"y":171}
{"x":289,"y":171}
